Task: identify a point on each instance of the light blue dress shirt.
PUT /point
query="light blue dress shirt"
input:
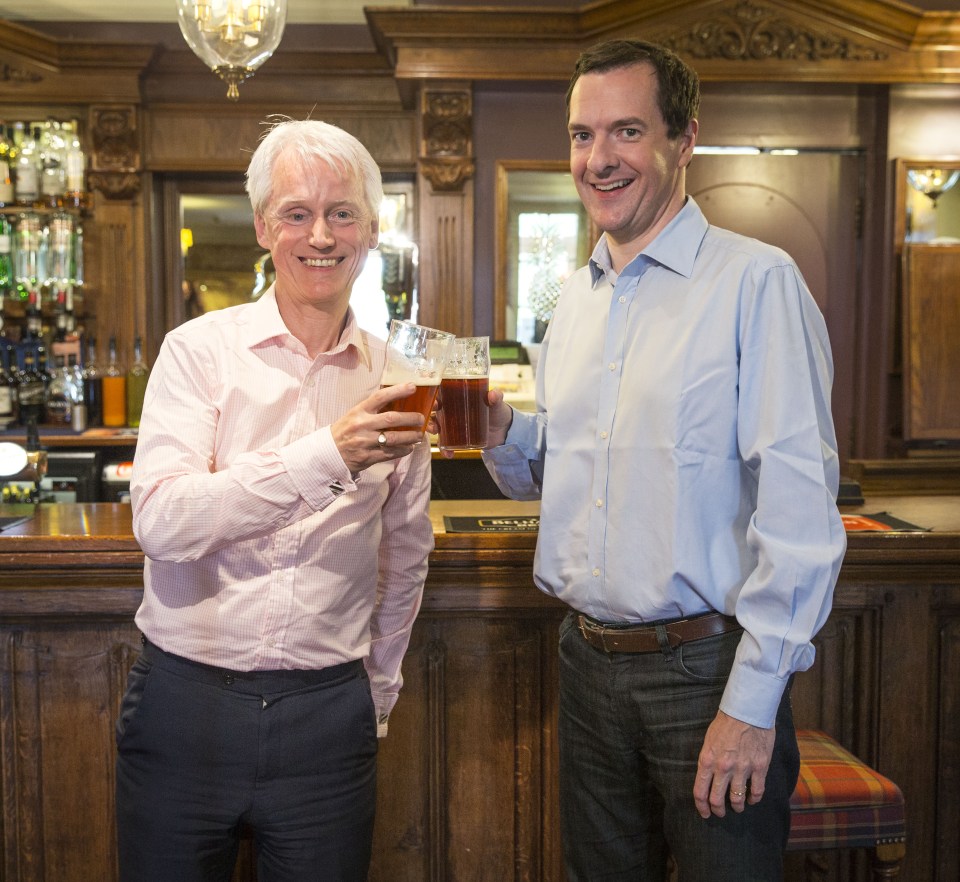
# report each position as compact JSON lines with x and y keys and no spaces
{"x":684,"y":451}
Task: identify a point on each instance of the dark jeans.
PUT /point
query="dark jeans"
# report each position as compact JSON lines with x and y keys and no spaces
{"x":631,"y":728}
{"x":201,"y":751}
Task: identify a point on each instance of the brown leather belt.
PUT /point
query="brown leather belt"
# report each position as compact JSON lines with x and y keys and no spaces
{"x":643,"y":638}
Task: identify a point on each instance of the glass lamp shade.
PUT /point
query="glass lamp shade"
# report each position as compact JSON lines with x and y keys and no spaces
{"x":232,"y":37}
{"x":932,"y":182}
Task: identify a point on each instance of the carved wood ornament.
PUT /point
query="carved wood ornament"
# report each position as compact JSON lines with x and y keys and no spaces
{"x":15,"y":75}
{"x":752,"y":32}
{"x":115,"y":160}
{"x":446,"y":150}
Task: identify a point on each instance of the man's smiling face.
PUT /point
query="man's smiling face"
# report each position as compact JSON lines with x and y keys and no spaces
{"x":628,"y":172}
{"x":318,"y":230}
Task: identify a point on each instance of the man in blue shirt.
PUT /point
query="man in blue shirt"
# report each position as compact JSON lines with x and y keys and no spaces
{"x":685,"y":455}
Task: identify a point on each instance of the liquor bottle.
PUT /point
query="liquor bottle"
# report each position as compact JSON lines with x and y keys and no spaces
{"x":7,"y":158}
{"x":93,"y":385}
{"x":6,"y":261}
{"x":80,"y":419}
{"x":32,"y":332}
{"x":76,"y":273}
{"x":59,"y":264}
{"x":76,"y":166}
{"x":8,"y":397}
{"x":53,"y":175}
{"x":58,"y":400}
{"x":26,"y":185}
{"x":136,"y":384}
{"x":31,"y":389}
{"x":29,"y":254}
{"x":114,"y":390}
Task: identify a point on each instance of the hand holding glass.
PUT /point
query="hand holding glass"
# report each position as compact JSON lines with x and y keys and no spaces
{"x":415,"y":354}
{"x":463,"y":416}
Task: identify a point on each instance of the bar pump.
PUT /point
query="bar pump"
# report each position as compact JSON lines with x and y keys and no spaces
{"x":19,"y":464}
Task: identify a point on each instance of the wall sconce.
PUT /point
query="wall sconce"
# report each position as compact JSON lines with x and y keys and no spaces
{"x":932,"y":182}
{"x":186,"y":240}
{"x":232,"y":37}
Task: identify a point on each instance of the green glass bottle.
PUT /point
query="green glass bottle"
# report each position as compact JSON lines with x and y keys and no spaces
{"x":137,"y":377}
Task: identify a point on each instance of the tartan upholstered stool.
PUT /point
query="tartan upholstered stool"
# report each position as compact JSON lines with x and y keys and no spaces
{"x":841,"y":802}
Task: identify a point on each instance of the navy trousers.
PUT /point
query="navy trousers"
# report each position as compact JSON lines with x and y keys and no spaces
{"x":203,"y":752}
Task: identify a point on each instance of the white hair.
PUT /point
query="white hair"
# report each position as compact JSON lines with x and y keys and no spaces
{"x":312,"y":139}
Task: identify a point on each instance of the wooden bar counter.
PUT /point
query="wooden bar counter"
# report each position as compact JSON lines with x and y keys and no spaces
{"x":468,"y":771}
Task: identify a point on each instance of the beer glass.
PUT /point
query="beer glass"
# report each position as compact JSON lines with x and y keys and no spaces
{"x":464,"y":413}
{"x":415,"y":354}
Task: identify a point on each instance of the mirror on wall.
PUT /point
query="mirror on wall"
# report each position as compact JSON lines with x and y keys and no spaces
{"x":543,"y":235}
{"x":928,"y":279}
{"x":214,"y":259}
{"x":928,"y":202}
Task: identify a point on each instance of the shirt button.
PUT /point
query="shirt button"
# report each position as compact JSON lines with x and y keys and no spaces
{"x":596,"y":571}
{"x":599,"y":503}
{"x":623,"y":299}
{"x":603,"y":434}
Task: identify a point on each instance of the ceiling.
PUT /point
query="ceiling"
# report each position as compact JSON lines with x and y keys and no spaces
{"x":298,"y":11}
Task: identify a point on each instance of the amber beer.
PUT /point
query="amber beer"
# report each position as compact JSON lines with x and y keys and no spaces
{"x":421,"y":401}
{"x":464,"y":413}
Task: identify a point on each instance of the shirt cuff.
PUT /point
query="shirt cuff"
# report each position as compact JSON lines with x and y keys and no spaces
{"x":317,"y":469}
{"x":752,"y":697}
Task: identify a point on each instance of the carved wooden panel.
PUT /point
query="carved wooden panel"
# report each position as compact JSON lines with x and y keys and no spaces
{"x":60,"y":689}
{"x":931,"y":329}
{"x":222,"y":138}
{"x":446,"y":258}
{"x":461,"y":776}
{"x":948,"y":749}
{"x":839,"y":693}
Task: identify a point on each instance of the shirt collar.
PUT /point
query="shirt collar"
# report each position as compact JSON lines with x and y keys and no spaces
{"x":675,"y":247}
{"x":263,"y":323}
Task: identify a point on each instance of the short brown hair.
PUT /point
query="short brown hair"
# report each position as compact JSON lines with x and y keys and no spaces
{"x":678,"y":85}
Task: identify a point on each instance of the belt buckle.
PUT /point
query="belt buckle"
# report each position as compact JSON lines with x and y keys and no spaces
{"x":583,"y":624}
{"x":596,"y":631}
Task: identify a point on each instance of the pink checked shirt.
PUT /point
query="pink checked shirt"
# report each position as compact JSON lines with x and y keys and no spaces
{"x":263,"y":551}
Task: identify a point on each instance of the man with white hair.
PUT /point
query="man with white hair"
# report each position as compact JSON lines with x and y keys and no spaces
{"x":285,"y":524}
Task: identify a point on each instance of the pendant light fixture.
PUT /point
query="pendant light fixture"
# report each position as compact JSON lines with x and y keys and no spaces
{"x":232,"y":37}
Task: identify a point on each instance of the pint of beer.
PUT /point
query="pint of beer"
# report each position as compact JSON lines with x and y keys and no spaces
{"x":415,"y":354}
{"x":463,"y":414}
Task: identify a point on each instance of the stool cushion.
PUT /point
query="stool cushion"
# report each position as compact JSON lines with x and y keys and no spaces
{"x":841,"y":802}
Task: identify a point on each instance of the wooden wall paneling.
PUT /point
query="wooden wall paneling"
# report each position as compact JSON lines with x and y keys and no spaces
{"x":948,"y":743}
{"x":38,"y":68}
{"x":115,"y":248}
{"x":745,"y":42}
{"x":870,"y":416}
{"x":461,"y":782}
{"x":839,"y":694}
{"x":61,"y":688}
{"x":445,"y":293}
{"x":931,"y":355}
{"x":906,"y":728}
{"x":410,"y":771}
{"x":224,"y":136}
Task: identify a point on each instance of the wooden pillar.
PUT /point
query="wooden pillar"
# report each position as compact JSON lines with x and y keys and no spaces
{"x":445,"y":196}
{"x":115,"y":243}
